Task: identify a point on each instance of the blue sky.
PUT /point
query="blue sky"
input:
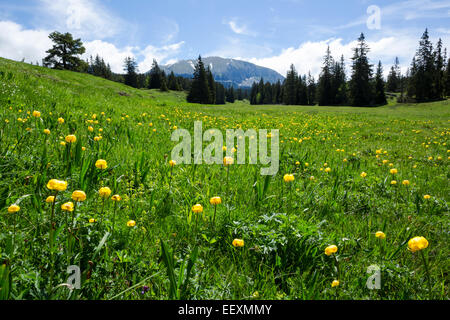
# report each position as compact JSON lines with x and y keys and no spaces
{"x":272,"y":33}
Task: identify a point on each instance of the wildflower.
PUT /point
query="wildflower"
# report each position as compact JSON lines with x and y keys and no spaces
{"x":92,"y":220}
{"x":78,"y":196}
{"x":228,"y":161}
{"x":104,"y":192}
{"x":101,"y":164}
{"x":393,"y":171}
{"x":335,"y":283}
{"x":312,"y":178}
{"x":36,"y":114}
{"x":91,"y":129}
{"x":417,"y":244}
{"x":345,"y":160}
{"x":427,"y":197}
{"x":68,"y":206}
{"x":62,"y":143}
{"x":13,"y":208}
{"x":198,"y":208}
{"x":306,"y":164}
{"x":116,"y":198}
{"x":57,"y":185}
{"x":60,"y":120}
{"x":172,"y":163}
{"x":215,"y":201}
{"x":50,"y":199}
{"x":288,"y":178}
{"x":393,"y":182}
{"x":131,"y":223}
{"x":330,"y":250}
{"x":380,"y":235}
{"x":46,"y":131}
{"x":363,"y":175}
{"x":97,"y":139}
{"x":297,"y":163}
{"x":327,"y":170}
{"x":405,"y":182}
{"x":238,"y":243}
{"x":224,"y":148}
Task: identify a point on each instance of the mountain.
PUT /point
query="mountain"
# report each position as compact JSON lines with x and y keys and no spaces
{"x":227,"y":71}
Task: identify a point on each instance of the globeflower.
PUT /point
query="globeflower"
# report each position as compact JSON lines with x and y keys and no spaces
{"x":288,"y":178}
{"x":427,"y":197}
{"x":101,"y":164}
{"x":92,"y":220}
{"x":172,"y":163}
{"x":68,"y":206}
{"x":46,"y":131}
{"x":363,"y":175}
{"x":393,"y":171}
{"x":327,"y":170}
{"x":78,"y":196}
{"x":237,"y":243}
{"x":393,"y":182}
{"x":131,"y":223}
{"x":104,"y":192}
{"x":60,"y":120}
{"x":417,"y":244}
{"x":380,"y":235}
{"x":36,"y":114}
{"x":405,"y":182}
{"x":335,"y":283}
{"x":198,"y":208}
{"x":13,"y":208}
{"x":228,"y":161}
{"x":50,"y":199}
{"x":116,"y":198}
{"x":57,"y":185}
{"x":331,"y":249}
{"x":215,"y":201}
{"x":71,"y":139}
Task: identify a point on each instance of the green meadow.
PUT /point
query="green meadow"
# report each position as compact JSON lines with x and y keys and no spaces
{"x":357,"y":171}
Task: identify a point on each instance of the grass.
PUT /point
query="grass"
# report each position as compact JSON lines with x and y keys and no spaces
{"x":173,"y":253}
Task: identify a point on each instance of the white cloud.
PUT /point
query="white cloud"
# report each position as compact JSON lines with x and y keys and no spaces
{"x":109,"y":52}
{"x":17,"y":43}
{"x":239,"y":28}
{"x":85,"y":18}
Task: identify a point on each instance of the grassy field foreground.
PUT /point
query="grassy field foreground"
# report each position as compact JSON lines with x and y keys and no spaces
{"x":356,"y":171}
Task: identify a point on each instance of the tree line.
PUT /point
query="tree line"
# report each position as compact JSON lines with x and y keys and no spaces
{"x":427,"y":79}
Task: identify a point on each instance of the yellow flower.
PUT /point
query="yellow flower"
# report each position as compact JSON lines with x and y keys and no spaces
{"x":57,"y":185}
{"x":101,"y":164}
{"x":71,"y":139}
{"x":116,"y":198}
{"x":327,"y":170}
{"x":62,"y":143}
{"x":46,"y":131}
{"x":335,"y":283}
{"x":228,"y":161}
{"x":224,"y":148}
{"x":198,"y":208}
{"x":104,"y":192}
{"x":380,"y":235}
{"x":363,"y":175}
{"x":92,"y":220}
{"x":13,"y":208}
{"x":50,"y":199}
{"x":238,"y":243}
{"x":61,"y":120}
{"x":306,"y":164}
{"x":36,"y":114}
{"x":345,"y":160}
{"x":131,"y":223}
{"x":172,"y":163}
{"x":385,"y":161}
{"x":91,"y":129}
{"x":417,"y":244}
{"x":330,"y":250}
{"x":68,"y":206}
{"x":97,"y":138}
{"x":405,"y":182}
{"x":393,"y":182}
{"x":393,"y":171}
{"x":427,"y":197}
{"x":79,"y":196}
{"x":215,"y":201}
{"x":288,"y":178}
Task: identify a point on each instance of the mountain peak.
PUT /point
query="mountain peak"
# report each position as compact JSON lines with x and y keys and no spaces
{"x":228,"y":71}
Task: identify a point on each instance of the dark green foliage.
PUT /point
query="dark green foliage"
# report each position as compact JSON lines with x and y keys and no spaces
{"x":326,"y":95}
{"x":173,"y":83}
{"x":380,"y":96}
{"x":155,"y":76}
{"x":361,"y":93}
{"x":291,"y":87}
{"x":131,"y":76}
{"x":163,"y":82}
{"x":199,"y":92}
{"x":393,"y":81}
{"x":64,"y":53}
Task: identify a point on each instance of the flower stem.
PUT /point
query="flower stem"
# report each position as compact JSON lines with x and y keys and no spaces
{"x":427,"y":272}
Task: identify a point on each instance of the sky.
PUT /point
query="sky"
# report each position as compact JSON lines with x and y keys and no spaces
{"x":269,"y":33}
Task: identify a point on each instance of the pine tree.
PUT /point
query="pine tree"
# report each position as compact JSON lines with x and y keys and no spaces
{"x":339,"y":83}
{"x":311,"y":90}
{"x":64,"y":53}
{"x":254,"y":93}
{"x":326,"y":96}
{"x":439,"y":73}
{"x":447,"y":79}
{"x":163,"y":79}
{"x":361,"y":93}
{"x":229,"y":95}
{"x":155,"y":76}
{"x":131,"y":77}
{"x":199,"y":92}
{"x":302,"y":92}
{"x":291,"y":87}
{"x":220,"y":93}
{"x":173,"y":83}
{"x":393,"y":82}
{"x":425,"y":69}
{"x":380,"y":96}
{"x":211,"y":86}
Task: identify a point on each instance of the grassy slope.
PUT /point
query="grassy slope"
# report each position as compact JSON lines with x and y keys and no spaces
{"x":338,"y":208}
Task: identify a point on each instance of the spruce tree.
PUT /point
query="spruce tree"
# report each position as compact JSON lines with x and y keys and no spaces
{"x":439,"y":73}
{"x":425,"y":69}
{"x":163,"y":86}
{"x":393,"y":82}
{"x":361,"y":93}
{"x":447,"y":79}
{"x":131,"y":77}
{"x":290,"y":87}
{"x":311,"y":90}
{"x":380,"y":96}
{"x":326,"y":94}
{"x":199,"y":92}
{"x":155,"y":76}
{"x":211,"y":86}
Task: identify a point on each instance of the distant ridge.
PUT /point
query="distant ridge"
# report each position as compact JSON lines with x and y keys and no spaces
{"x":229,"y":72}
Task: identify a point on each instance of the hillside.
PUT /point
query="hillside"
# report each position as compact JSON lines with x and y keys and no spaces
{"x":227,"y":71}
